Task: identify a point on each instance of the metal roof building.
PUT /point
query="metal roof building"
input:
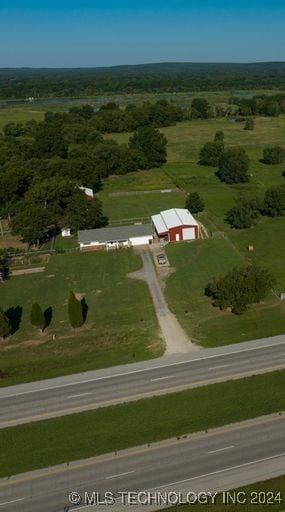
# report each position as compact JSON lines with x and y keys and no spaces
{"x":112,"y":238}
{"x":176,"y":224}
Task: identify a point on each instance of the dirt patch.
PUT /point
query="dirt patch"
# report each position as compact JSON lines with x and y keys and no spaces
{"x":28,"y":343}
{"x":79,"y":295}
{"x":35,"y":342}
{"x":24,"y":271}
{"x":15,"y":242}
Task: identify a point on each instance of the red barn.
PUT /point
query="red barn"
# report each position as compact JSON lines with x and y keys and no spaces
{"x":175,"y":225}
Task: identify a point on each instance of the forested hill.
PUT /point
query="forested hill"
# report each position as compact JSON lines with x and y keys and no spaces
{"x":169,"y":77}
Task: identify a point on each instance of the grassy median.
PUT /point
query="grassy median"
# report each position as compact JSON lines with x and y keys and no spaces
{"x":86,"y":434}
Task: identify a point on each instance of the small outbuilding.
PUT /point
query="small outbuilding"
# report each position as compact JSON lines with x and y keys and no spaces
{"x":114,"y":238}
{"x":65,"y":232}
{"x":175,"y":225}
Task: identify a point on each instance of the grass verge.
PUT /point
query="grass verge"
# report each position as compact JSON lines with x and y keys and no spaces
{"x":91,"y":433}
{"x":274,"y":486}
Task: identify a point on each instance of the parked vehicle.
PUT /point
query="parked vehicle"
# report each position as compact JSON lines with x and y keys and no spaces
{"x":161,"y":259}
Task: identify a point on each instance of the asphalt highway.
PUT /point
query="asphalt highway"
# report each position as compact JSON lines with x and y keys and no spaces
{"x":200,"y":461}
{"x":66,"y":395}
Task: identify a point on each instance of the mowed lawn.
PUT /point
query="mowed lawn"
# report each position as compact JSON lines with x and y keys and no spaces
{"x":195,"y":265}
{"x":121,"y":325}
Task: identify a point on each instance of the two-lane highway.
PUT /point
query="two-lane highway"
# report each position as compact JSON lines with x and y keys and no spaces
{"x":57,"y":397}
{"x":222,"y":458}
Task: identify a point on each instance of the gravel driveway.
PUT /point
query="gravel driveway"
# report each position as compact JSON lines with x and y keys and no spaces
{"x":175,"y":337}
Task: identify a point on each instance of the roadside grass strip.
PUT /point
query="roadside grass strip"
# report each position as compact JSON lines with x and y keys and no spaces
{"x":55,"y":441}
{"x":261,"y":497}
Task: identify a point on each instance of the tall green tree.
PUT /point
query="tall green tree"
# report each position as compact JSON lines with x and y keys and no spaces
{"x":75,"y":313}
{"x":31,"y":222}
{"x":274,"y":155}
{"x":152,"y":145}
{"x":5,"y":326}
{"x":194,"y":203}
{"x":200,"y":108}
{"x":240,"y":287}
{"x":244,"y":214}
{"x":211,"y":153}
{"x":234,"y":166}
{"x":274,"y":201}
{"x":49,"y":142}
{"x":37,"y":317}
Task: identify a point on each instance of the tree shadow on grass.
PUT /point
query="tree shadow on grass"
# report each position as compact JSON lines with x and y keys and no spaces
{"x":14,"y":316}
{"x":85,"y":308}
{"x":48,"y":313}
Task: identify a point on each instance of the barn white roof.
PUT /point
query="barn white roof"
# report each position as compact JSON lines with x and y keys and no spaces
{"x":172,"y":218}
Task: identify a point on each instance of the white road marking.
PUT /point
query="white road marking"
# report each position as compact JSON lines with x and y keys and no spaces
{"x":222,"y":449}
{"x":120,"y":474}
{"x":9,"y":502}
{"x":219,"y":366}
{"x":77,"y":396}
{"x":140,"y":371}
{"x":218,"y":472}
{"x":162,"y":378}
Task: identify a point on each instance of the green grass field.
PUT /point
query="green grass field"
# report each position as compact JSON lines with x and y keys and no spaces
{"x":120,"y":321}
{"x":197,"y":263}
{"x":131,"y":424}
{"x":18,"y":115}
{"x":275,"y":486}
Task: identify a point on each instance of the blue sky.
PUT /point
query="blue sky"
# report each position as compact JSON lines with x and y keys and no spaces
{"x":79,"y":33}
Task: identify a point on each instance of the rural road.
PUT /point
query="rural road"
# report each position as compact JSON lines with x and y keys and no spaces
{"x":220,"y":459}
{"x":74,"y":393}
{"x":176,"y":340}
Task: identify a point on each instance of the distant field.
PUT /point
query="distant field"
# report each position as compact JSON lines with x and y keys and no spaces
{"x":109,"y":337}
{"x":18,"y":115}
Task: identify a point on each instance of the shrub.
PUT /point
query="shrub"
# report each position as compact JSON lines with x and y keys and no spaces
{"x":274,"y":155}
{"x":75,"y":313}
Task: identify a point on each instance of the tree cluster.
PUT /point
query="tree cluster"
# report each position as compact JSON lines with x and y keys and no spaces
{"x":246,"y":211}
{"x":239,"y":288}
{"x":40,"y":173}
{"x":261,"y":104}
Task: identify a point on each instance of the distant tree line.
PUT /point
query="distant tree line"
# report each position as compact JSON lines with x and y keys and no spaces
{"x":168,"y":77}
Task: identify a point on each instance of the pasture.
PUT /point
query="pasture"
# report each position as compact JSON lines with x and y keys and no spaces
{"x":120,"y":326}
